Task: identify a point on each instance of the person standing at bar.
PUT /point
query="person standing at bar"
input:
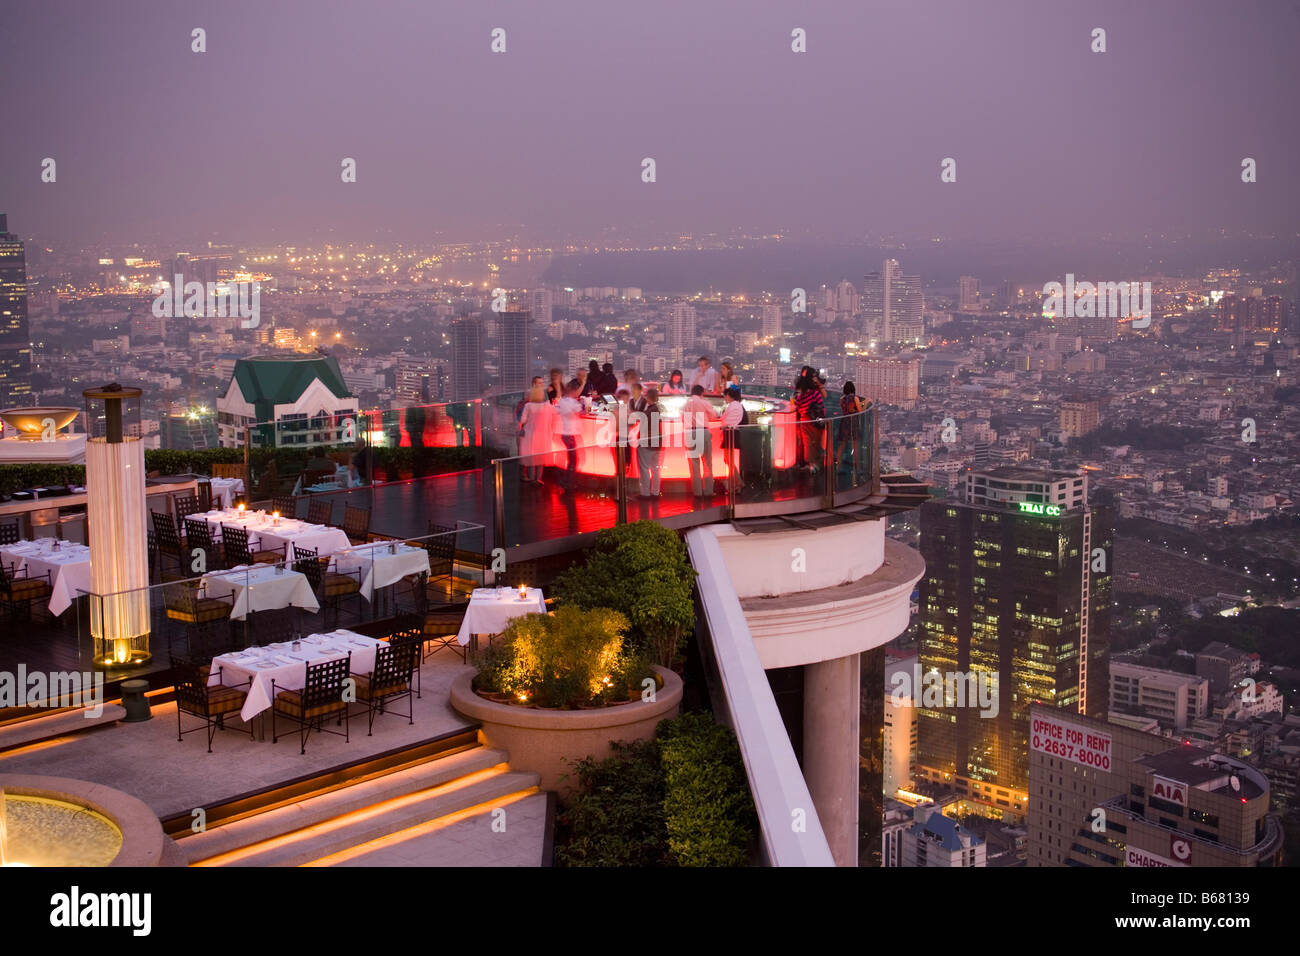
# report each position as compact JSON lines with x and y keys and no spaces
{"x":648,"y":450}
{"x":705,"y":376}
{"x":733,"y":417}
{"x":570,"y":412}
{"x":696,"y":415}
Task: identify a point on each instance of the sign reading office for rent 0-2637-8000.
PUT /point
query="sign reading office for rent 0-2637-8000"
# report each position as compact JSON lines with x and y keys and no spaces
{"x":1066,"y":739}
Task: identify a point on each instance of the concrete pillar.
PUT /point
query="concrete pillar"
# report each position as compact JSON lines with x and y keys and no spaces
{"x":830,"y":751}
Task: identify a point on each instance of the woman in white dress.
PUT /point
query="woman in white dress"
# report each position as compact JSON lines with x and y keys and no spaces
{"x":536,"y":434}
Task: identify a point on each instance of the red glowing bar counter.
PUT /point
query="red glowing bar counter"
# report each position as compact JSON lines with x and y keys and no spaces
{"x":599,"y":434}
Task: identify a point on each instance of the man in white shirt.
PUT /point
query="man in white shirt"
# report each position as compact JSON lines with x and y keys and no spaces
{"x":696,"y":415}
{"x":706,"y":376}
{"x":570,"y":410}
{"x":733,"y":416}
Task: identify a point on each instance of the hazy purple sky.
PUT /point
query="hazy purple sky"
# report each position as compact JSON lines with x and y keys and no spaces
{"x":244,"y":142}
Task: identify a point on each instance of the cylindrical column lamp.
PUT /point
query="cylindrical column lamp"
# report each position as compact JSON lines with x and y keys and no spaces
{"x":116,"y":516}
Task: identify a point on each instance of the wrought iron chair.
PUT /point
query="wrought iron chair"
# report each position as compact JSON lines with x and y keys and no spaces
{"x":184,"y":506}
{"x":320,"y":511}
{"x":187,"y":602}
{"x":168,"y":539}
{"x":331,"y":588}
{"x":234,"y":544}
{"x":356,"y":524}
{"x":409,"y":631}
{"x":322,"y":696}
{"x":9,"y":533}
{"x":389,"y":681}
{"x":198,"y":534}
{"x":205,"y":496}
{"x":287,"y":505}
{"x":209,"y":702}
{"x":275,"y":625}
{"x":21,"y":589}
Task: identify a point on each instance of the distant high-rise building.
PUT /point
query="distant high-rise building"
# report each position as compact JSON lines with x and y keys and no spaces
{"x":541,"y":301}
{"x":892,"y":305}
{"x":1017,"y":588}
{"x":681,"y":326}
{"x":412,"y":382}
{"x":899,"y":726}
{"x":771,"y":322}
{"x":1080,"y":417}
{"x":1251,"y":313}
{"x":888,"y":380}
{"x":968,"y":298}
{"x":15,"y":338}
{"x":514,"y":349}
{"x":467,"y":358}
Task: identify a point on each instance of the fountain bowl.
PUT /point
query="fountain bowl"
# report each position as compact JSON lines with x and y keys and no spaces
{"x":83,"y":812}
{"x":28,"y":421}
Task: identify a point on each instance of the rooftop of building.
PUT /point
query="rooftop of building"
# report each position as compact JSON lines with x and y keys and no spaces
{"x":269,"y":380}
{"x":948,"y":833}
{"x":1201,"y":769}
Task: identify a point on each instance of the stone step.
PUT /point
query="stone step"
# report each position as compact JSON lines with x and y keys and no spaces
{"x":512,"y":831}
{"x":62,"y":723}
{"x":376,"y":820}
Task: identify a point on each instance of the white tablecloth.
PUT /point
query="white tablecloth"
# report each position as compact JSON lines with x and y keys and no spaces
{"x":265,"y":533}
{"x":287,"y":667}
{"x":225,"y":489}
{"x":69,"y":567}
{"x":261,"y":587}
{"x":490,"y":612}
{"x":378,"y":567}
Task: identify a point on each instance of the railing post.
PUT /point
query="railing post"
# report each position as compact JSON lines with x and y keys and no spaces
{"x":499,"y":504}
{"x":875,"y":450}
{"x":828,"y":463}
{"x":620,"y":478}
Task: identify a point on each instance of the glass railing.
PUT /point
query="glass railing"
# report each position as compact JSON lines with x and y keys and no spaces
{"x":203,"y":607}
{"x":774,"y":464}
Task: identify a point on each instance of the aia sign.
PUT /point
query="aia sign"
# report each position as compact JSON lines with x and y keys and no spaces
{"x":1172,"y":791}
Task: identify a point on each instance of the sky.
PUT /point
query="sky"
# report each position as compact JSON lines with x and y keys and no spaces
{"x":244,"y":143}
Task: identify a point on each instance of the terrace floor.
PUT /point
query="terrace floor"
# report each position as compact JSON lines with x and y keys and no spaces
{"x":175,"y":777}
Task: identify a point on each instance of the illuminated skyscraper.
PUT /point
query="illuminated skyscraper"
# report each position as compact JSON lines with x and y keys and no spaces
{"x":892,"y":305}
{"x":681,"y":326}
{"x":514,"y":349}
{"x":1017,"y":585}
{"x":466,"y":358}
{"x":15,"y":338}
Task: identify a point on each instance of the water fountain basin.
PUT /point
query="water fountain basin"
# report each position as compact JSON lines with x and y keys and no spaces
{"x":57,"y":821}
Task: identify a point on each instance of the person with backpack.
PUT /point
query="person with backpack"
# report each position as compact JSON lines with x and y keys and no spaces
{"x":848,"y":427}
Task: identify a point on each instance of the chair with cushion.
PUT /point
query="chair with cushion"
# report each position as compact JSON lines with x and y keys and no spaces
{"x":320,"y":511}
{"x":234,"y":544}
{"x":356,"y":524}
{"x":408,"y":629}
{"x":198,"y":534}
{"x":210,"y":702}
{"x":168,"y":539}
{"x":188,"y":603}
{"x":331,"y":588}
{"x":390,"y":680}
{"x":277,"y":625}
{"x":184,"y":506}
{"x":321,"y":697}
{"x":205,"y":496}
{"x":441,"y":627}
{"x":18,"y":589}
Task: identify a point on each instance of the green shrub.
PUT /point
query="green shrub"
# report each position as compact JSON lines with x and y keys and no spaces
{"x":708,"y":812}
{"x":560,"y":660}
{"x":641,"y":570}
{"x":615,"y":816}
{"x":681,"y":799}
{"x":167,"y":461}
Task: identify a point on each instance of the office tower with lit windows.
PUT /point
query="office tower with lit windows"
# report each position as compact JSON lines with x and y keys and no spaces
{"x":892,"y":305}
{"x":1017,"y":585}
{"x":466,"y":358}
{"x":15,"y":338}
{"x":514,"y":349}
{"x":968,"y":298}
{"x":771,"y":322}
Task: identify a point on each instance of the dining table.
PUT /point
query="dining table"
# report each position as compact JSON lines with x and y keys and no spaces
{"x":224,"y":490}
{"x":260,"y":587}
{"x":287,"y":666}
{"x":491,"y":609}
{"x":267,"y":532}
{"x":66,"y":562}
{"x":381,"y":563}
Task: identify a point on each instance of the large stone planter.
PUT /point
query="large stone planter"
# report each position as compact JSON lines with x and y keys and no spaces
{"x":550,"y":742}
